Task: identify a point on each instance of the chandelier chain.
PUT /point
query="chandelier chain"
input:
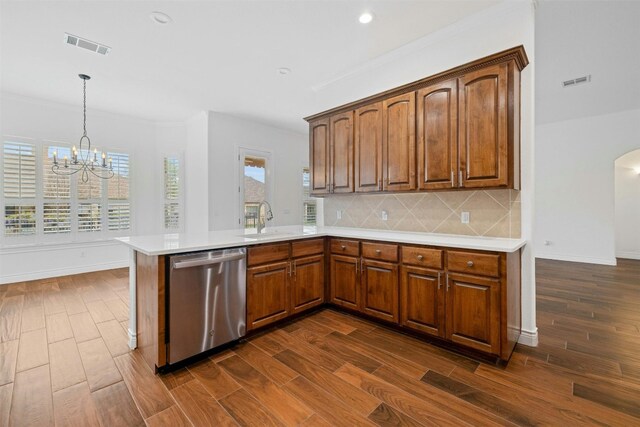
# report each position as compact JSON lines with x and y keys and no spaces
{"x":84,"y":103}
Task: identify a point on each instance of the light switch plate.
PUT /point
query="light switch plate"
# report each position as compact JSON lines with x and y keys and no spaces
{"x":384,"y":215}
{"x":339,"y":214}
{"x":464,"y":217}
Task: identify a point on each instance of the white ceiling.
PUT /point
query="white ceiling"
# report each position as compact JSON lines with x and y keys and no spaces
{"x":575,"y":38}
{"x":216,"y":55}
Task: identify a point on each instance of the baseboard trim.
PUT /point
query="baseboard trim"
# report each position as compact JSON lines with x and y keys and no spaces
{"x":628,"y":255}
{"x":578,"y":258}
{"x":529,"y":338}
{"x":57,"y":272}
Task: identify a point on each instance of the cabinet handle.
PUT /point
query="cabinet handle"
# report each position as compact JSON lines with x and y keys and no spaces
{"x":357,"y":266}
{"x":290,"y":269}
{"x":460,"y":183}
{"x":294,"y":267}
{"x":378,"y":251}
{"x":420,"y":258}
{"x":343,"y":247}
{"x":452,"y":175}
{"x":469,"y":263}
{"x":439,"y":283}
{"x":380,"y":184}
{"x":447,"y":282}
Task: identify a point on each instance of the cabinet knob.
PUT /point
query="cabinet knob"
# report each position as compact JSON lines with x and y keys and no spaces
{"x":469,"y":263}
{"x":420,"y":257}
{"x":378,"y":251}
{"x":343,"y":247}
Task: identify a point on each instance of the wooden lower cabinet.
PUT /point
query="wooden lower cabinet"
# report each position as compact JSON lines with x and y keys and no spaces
{"x":423,"y":300}
{"x":345,"y":281}
{"x":380,"y":289}
{"x":307,"y":283}
{"x":473,"y":312}
{"x":267,"y":294}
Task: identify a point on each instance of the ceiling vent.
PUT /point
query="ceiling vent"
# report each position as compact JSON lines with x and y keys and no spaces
{"x":577,"y":81}
{"x":86,"y":44}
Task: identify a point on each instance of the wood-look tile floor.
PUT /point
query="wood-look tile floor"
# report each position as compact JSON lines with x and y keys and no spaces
{"x":64,"y":360}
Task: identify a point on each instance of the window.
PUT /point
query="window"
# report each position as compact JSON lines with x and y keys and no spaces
{"x":255,"y":187}
{"x":39,"y":203}
{"x":172,"y":193}
{"x":118,"y":217}
{"x":19,"y":183}
{"x":56,"y":192}
{"x":309,"y":206}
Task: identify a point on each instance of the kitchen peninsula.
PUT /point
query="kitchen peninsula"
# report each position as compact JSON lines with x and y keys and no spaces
{"x":460,"y":291}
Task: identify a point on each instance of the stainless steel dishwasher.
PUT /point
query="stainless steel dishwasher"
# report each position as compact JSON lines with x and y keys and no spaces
{"x":207,"y":301}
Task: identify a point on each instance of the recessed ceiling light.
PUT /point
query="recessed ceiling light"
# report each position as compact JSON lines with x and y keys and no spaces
{"x":160,"y":18}
{"x":365,"y":18}
{"x":284,"y":71}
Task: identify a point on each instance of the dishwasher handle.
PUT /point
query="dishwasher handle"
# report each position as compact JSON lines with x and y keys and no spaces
{"x":197,"y":262}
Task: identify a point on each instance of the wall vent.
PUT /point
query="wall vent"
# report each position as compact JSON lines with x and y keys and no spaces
{"x":577,"y":81}
{"x":86,"y":44}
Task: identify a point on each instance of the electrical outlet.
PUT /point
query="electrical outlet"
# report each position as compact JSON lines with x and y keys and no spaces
{"x":339,"y":214}
{"x":464,"y":217}
{"x":384,"y":215}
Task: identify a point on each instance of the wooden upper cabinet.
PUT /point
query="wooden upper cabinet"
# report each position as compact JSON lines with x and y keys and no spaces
{"x":437,"y":125}
{"x":341,"y":138}
{"x":484,"y":147}
{"x":368,"y":148}
{"x":456,"y":129}
{"x":319,"y":151}
{"x":399,"y":143}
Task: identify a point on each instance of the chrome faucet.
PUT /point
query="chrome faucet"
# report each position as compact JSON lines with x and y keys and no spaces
{"x":268,"y":215}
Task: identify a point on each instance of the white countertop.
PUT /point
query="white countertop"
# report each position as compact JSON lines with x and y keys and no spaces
{"x":163,"y":244}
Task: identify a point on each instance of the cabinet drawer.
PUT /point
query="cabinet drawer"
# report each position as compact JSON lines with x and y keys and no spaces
{"x":307,"y":247}
{"x":424,"y":257}
{"x":474,"y":263}
{"x":345,"y":247}
{"x":380,"y":251}
{"x":268,"y":253}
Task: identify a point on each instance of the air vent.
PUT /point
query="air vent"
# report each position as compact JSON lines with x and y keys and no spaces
{"x":86,"y":44}
{"x":577,"y":81}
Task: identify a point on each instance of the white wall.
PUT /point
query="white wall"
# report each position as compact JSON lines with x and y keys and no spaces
{"x":289,"y":151}
{"x":501,"y":27}
{"x":39,"y":119}
{"x":196,"y":184}
{"x":575,"y":185}
{"x":627,"y":212}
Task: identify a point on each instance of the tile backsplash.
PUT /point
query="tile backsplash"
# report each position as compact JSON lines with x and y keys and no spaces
{"x":493,"y":213}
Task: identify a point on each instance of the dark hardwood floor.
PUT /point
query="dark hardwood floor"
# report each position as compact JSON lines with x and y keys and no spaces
{"x":64,"y":360}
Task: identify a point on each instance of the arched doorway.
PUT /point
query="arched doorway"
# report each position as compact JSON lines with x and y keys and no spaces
{"x":627,"y":205}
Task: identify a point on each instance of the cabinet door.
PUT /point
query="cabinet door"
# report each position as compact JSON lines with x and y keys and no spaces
{"x":422,"y":300}
{"x":319,"y":151}
{"x":368,"y":148}
{"x":399,"y":143}
{"x":380,"y":289}
{"x":345,"y":283}
{"x":267,"y":294}
{"x":307,"y":286}
{"x":483,"y":128}
{"x":438,"y":136}
{"x":342,"y":153}
{"x":473,"y":312}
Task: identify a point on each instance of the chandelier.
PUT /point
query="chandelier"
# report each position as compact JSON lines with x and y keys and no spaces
{"x":82,"y":160}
